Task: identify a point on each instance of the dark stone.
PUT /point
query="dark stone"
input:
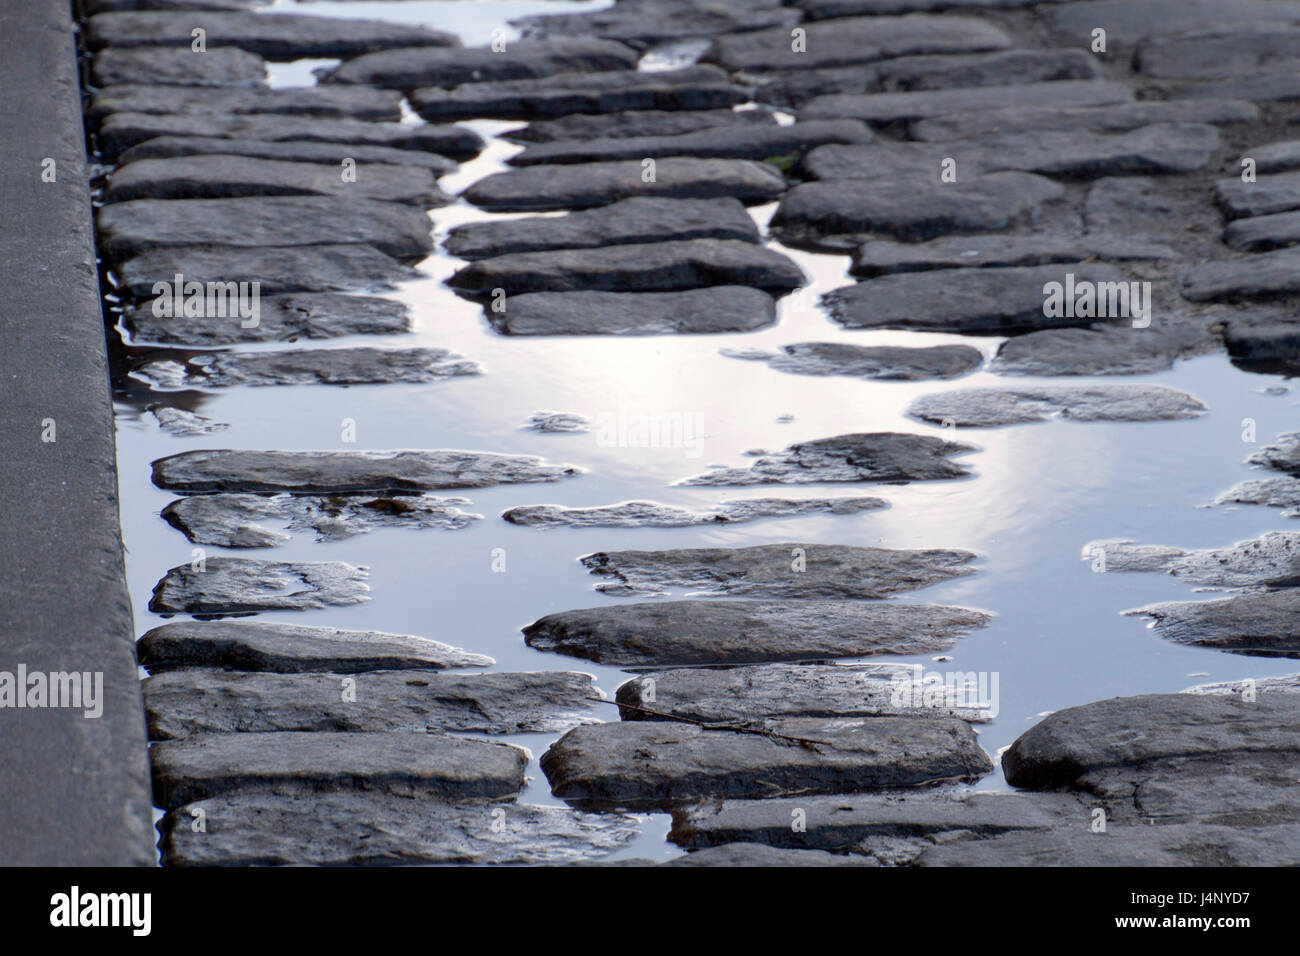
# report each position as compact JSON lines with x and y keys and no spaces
{"x":650,"y":514}
{"x":1262,"y":276}
{"x":695,"y":311}
{"x":216,"y":66}
{"x":1115,"y":118}
{"x":1107,"y":350}
{"x":1260,"y":625}
{"x":290,"y":151}
{"x":644,"y":23}
{"x":580,"y":126}
{"x":283,"y":318}
{"x":895,"y":107}
{"x":237,"y":585}
{"x":881,"y":257}
{"x":347,"y":366}
{"x":883,"y":362}
{"x":356,"y":103}
{"x":982,"y":407}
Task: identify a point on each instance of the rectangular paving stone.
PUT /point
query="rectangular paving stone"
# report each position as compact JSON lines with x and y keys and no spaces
{"x":221,"y":585}
{"x":368,"y":829}
{"x":360,"y":365}
{"x":692,"y":88}
{"x":289,"y":151}
{"x":1115,"y":118}
{"x":895,"y":107}
{"x":627,"y":123}
{"x":1260,"y":276}
{"x":181,"y":703}
{"x":1220,"y":53}
{"x":721,"y":308}
{"x":414,"y":765}
{"x":217,"y":66}
{"x":286,"y":318}
{"x":227,"y":177}
{"x":276,"y":37}
{"x":647,"y":23}
{"x":1274,"y":192}
{"x":356,"y":103}
{"x":881,"y":257}
{"x":242,"y":645}
{"x":854,"y":40}
{"x":648,"y":764}
{"x":1259,"y":233}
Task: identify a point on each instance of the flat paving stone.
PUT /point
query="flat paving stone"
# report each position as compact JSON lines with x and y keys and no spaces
{"x":226,"y":177}
{"x":289,"y":151}
{"x":694,"y":311}
{"x":414,"y":765}
{"x":597,"y":184}
{"x":1112,"y":118}
{"x":829,"y":9}
{"x":281,"y":318}
{"x":347,"y":366}
{"x":1278,"y":157}
{"x":238,"y":585}
{"x":203,"y":700}
{"x":1162,"y":148}
{"x":279,"y":37}
{"x":974,"y":301}
{"x":880,"y":362}
{"x":881,"y":257}
{"x":644,"y":267}
{"x":750,"y":141}
{"x":913,"y":210}
{"x":1262,"y":233}
{"x":629,"y":123}
{"x":756,"y":854}
{"x":1282,"y":455}
{"x":356,"y":103}
{"x":255,"y":521}
{"x":648,"y":764}
{"x":855,"y":40}
{"x":1260,"y":625}
{"x":651,"y":514}
{"x":1261,"y":276}
{"x":1281,"y":493}
{"x":350,"y":267}
{"x":430,"y":66}
{"x":346,"y":472}
{"x":1219,"y":53}
{"x":691,"y":88}
{"x":682,"y":633}
{"x":1271,"y":560}
{"x":740,"y":694}
{"x":908,"y":107}
{"x":893,"y":457}
{"x":1108,"y":350}
{"x":224,"y":66}
{"x":631,"y":221}
{"x":120,"y":131}
{"x":157,"y":226}
{"x":1130,"y":21}
{"x":241,"y":645}
{"x":1276,"y":192}
{"x":644,"y":23}
{"x":789,"y":570}
{"x":982,"y":407}
{"x":367,"y":829}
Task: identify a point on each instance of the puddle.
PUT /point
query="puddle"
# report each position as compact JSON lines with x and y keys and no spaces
{"x":1039,"y":492}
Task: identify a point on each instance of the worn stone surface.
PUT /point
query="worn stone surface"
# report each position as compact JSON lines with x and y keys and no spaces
{"x":334,"y":267}
{"x":224,"y":177}
{"x":238,"y":585}
{"x":1163,"y":148}
{"x":288,"y":763}
{"x":146,"y":226}
{"x":651,"y":514}
{"x":1262,"y":276}
{"x":217,"y":66}
{"x":756,"y":854}
{"x":1281,"y":493}
{"x":979,"y":301}
{"x":681,"y":633}
{"x":579,"y":126}
{"x":332,"y":102}
{"x":289,"y":151}
{"x":1269,"y":340}
{"x":253,"y":521}
{"x":430,"y":66}
{"x":1106,"y":350}
{"x":562,"y":423}
{"x":865,"y":456}
{"x":1261,"y":625}
{"x":886,"y":362}
{"x":280,"y":37}
{"x":281,"y":318}
{"x":1261,"y":233}
{"x":882,"y":257}
{"x":204,"y":700}
{"x":749,"y":141}
{"x":848,"y":820}
{"x":346,"y":472}
{"x":121,"y":131}
{"x":596,"y":184}
{"x":367,"y":829}
{"x":644,"y":23}
{"x":642,"y":267}
{"x":778,"y":570}
{"x":1114,"y":118}
{"x":1271,"y":560}
{"x":829,"y":9}
{"x":1219,"y":53}
{"x":856,"y":40}
{"x":631,"y":221}
{"x":293,"y":649}
{"x":982,"y":407}
{"x":1286,"y":684}
{"x":790,"y":690}
{"x":1278,"y":157}
{"x":915,"y":209}
{"x":720,"y":308}
{"x":1275,"y":192}
{"x":1282,"y":455}
{"x":692,"y":88}
{"x":899,"y":107}
{"x":347,"y":366}
{"x":1133,"y":20}
{"x":183,"y":423}
{"x":646,"y":764}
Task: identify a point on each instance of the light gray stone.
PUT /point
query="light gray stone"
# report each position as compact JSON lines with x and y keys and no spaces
{"x":221,"y":585}
{"x":651,"y":514}
{"x":347,"y":366}
{"x":982,"y":407}
{"x":693,"y":311}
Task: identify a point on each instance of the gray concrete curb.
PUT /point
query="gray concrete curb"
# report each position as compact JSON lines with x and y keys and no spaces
{"x":73,"y":790}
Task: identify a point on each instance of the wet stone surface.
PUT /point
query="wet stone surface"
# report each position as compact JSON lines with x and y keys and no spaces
{"x":222,"y":585}
{"x":887,"y":362}
{"x":1261,"y":625}
{"x":650,"y":514}
{"x":344,"y":366}
{"x":338,"y":103}
{"x":289,"y":151}
{"x":217,"y":66}
{"x":720,"y":308}
{"x":1092,"y":403}
{"x":633,"y":123}
{"x":286,"y":318}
